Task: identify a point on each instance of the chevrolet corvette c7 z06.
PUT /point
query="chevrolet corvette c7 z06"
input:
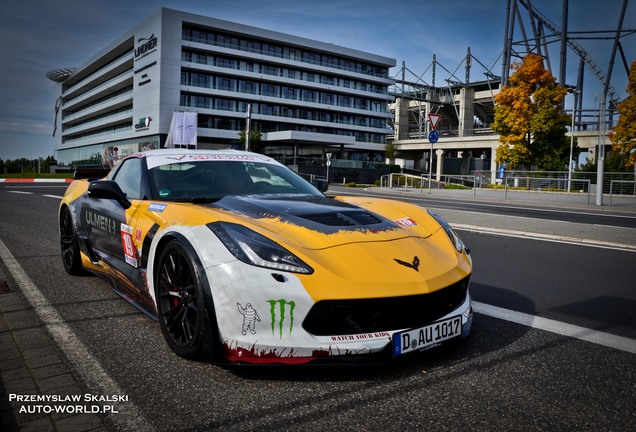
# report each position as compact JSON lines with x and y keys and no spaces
{"x":243,"y":261}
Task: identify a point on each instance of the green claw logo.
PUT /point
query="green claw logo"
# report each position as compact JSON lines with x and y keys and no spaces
{"x":282,"y":305}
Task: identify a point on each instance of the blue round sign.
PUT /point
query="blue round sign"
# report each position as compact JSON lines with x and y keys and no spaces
{"x":433,"y":136}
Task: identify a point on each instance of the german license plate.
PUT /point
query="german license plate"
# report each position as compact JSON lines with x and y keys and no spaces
{"x":427,"y":337}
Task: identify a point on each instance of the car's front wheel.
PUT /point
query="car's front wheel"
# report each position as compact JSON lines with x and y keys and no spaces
{"x":69,"y":244}
{"x":181,"y":301}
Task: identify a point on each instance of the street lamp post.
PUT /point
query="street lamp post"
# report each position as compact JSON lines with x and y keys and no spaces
{"x":600,"y":158}
{"x":574,"y":93}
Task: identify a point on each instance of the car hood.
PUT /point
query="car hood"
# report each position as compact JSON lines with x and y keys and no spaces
{"x":322,"y":222}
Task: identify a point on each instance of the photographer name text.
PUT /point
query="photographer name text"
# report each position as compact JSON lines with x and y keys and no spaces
{"x":87,"y":403}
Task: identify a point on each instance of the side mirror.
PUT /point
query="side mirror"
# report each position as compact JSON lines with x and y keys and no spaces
{"x":108,"y":189}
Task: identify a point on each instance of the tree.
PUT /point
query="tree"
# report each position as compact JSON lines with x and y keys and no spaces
{"x":529,"y":118}
{"x":255,"y":140}
{"x":614,"y":162}
{"x":46,"y":164}
{"x":623,"y":136}
{"x":390,"y":150}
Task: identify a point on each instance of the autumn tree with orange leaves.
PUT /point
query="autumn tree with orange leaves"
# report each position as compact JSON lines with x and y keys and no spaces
{"x":623,"y":136}
{"x":529,"y":119}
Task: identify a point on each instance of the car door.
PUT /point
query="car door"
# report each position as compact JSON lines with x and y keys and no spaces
{"x":106,"y":220}
{"x":124,"y":254}
{"x":113,"y":234}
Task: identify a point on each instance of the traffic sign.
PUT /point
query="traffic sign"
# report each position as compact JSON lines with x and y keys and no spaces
{"x":434,"y":119}
{"x":433,"y":136}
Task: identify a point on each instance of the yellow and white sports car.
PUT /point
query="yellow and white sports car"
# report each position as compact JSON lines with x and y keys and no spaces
{"x":241,"y":260}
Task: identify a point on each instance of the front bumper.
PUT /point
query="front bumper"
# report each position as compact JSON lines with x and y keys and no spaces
{"x":291,"y":344}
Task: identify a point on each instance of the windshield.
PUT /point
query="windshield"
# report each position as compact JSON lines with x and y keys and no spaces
{"x":212,"y":180}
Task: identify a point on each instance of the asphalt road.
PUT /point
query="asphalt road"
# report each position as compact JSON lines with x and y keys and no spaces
{"x":505,"y":376}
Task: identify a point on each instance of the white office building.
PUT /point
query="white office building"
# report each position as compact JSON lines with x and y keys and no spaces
{"x":306,"y":97}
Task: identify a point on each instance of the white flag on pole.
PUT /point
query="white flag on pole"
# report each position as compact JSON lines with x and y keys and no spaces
{"x":183,"y":130}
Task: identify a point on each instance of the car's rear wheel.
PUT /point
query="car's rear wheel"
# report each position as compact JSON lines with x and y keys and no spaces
{"x":181,"y":301}
{"x":69,"y":244}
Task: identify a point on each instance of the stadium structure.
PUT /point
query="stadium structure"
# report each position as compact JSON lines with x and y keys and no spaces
{"x":464,"y":103}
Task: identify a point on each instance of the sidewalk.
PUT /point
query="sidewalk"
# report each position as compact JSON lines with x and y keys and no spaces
{"x":31,"y":365}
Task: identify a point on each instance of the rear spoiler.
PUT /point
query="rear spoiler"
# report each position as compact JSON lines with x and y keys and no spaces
{"x":90,"y":174}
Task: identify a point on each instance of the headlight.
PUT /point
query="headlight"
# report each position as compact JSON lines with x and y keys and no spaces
{"x":255,"y":249}
{"x":457,"y":242}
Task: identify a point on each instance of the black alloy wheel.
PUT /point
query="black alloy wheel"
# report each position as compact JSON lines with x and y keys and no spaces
{"x":69,"y":244}
{"x":180,"y":301}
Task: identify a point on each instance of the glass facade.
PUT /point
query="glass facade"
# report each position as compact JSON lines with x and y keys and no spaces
{"x":193,"y":33}
{"x":284,"y":96}
{"x":104,"y":156}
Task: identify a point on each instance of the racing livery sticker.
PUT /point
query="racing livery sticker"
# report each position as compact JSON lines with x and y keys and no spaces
{"x":139,"y":235}
{"x":99,"y":221}
{"x":363,"y":336}
{"x":406,"y":222}
{"x":250,"y":316}
{"x":157,"y":207}
{"x":130,"y":254}
{"x":282,"y":306}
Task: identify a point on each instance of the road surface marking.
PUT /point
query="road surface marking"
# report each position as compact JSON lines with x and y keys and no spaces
{"x":545,"y":237}
{"x":569,"y":330}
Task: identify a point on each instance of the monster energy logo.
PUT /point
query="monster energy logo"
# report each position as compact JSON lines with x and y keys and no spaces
{"x":282,"y":304}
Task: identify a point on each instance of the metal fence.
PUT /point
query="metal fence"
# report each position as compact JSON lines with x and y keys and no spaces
{"x":555,"y":181}
{"x":559,"y":180}
{"x":623,"y":184}
{"x":625,"y":187}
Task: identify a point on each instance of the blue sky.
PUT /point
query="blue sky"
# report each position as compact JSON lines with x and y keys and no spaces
{"x":40,"y":35}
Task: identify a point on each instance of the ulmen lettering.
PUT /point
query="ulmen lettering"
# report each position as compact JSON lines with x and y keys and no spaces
{"x":101,"y":222}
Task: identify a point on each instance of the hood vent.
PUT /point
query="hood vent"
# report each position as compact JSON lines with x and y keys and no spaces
{"x":339,"y":219}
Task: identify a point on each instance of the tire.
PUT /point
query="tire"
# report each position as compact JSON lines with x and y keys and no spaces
{"x":181,"y":304}
{"x":69,"y":244}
